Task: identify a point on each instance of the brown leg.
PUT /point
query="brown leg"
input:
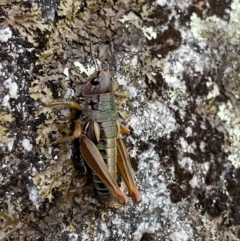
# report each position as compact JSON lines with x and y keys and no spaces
{"x":70,"y":104}
{"x":125,"y":169}
{"x":76,"y":134}
{"x":123,"y":129}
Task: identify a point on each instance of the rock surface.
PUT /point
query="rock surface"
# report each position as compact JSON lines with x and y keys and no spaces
{"x":177,"y":68}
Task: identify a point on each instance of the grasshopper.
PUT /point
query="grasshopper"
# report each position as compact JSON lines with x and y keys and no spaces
{"x":100,"y":143}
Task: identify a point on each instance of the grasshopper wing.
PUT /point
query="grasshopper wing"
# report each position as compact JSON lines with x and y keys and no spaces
{"x":93,"y":158}
{"x":125,"y":169}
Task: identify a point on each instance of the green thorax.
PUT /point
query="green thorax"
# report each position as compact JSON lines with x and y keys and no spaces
{"x":100,"y":108}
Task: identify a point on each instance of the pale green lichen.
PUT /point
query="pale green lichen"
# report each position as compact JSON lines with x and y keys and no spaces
{"x":213,"y":28}
{"x":224,"y":35}
{"x":58,"y":176}
{"x":133,"y":19}
{"x":227,"y":114}
{"x":6,"y":137}
{"x":27,"y":22}
{"x":202,"y":28}
{"x":9,"y":220}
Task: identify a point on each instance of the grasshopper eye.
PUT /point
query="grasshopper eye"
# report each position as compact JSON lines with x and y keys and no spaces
{"x":95,"y":81}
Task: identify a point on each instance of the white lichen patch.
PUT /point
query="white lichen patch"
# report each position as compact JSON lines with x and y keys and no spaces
{"x":5,"y":102}
{"x":134,"y":61}
{"x":162,"y":2}
{"x":200,"y":28}
{"x":10,"y":143}
{"x":88,"y":70}
{"x":173,"y":66}
{"x":27,"y":145}
{"x":34,"y":197}
{"x":187,"y":163}
{"x":194,"y":182}
{"x":5,"y":34}
{"x":133,"y":19}
{"x":188,"y":131}
{"x":156,"y":116}
{"x":179,"y":236}
{"x":214,"y":89}
{"x":189,"y":148}
{"x":149,"y":32}
{"x":12,"y":86}
{"x":73,"y":236}
{"x":66,"y":73}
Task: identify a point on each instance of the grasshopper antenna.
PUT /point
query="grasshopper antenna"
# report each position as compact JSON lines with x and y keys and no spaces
{"x":94,"y":60}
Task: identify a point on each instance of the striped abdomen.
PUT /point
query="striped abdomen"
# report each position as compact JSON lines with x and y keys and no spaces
{"x":102,"y":129}
{"x":107,"y":147}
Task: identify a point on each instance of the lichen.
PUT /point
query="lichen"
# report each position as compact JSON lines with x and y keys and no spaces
{"x":133,"y":19}
{"x":57,"y":176}
{"x":215,"y":29}
{"x":227,"y":113}
{"x":177,"y":91}
{"x":26,"y":20}
{"x":228,"y":36}
{"x":9,"y":221}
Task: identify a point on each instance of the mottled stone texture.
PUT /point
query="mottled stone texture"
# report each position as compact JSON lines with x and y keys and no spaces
{"x":177,"y":68}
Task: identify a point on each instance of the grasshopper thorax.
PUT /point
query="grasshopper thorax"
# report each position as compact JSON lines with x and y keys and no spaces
{"x":98,"y":83}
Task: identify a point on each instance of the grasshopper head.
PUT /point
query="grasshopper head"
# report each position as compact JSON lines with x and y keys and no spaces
{"x":98,"y":83}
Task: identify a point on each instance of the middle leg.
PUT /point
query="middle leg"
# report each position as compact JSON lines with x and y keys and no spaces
{"x":76,"y":134}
